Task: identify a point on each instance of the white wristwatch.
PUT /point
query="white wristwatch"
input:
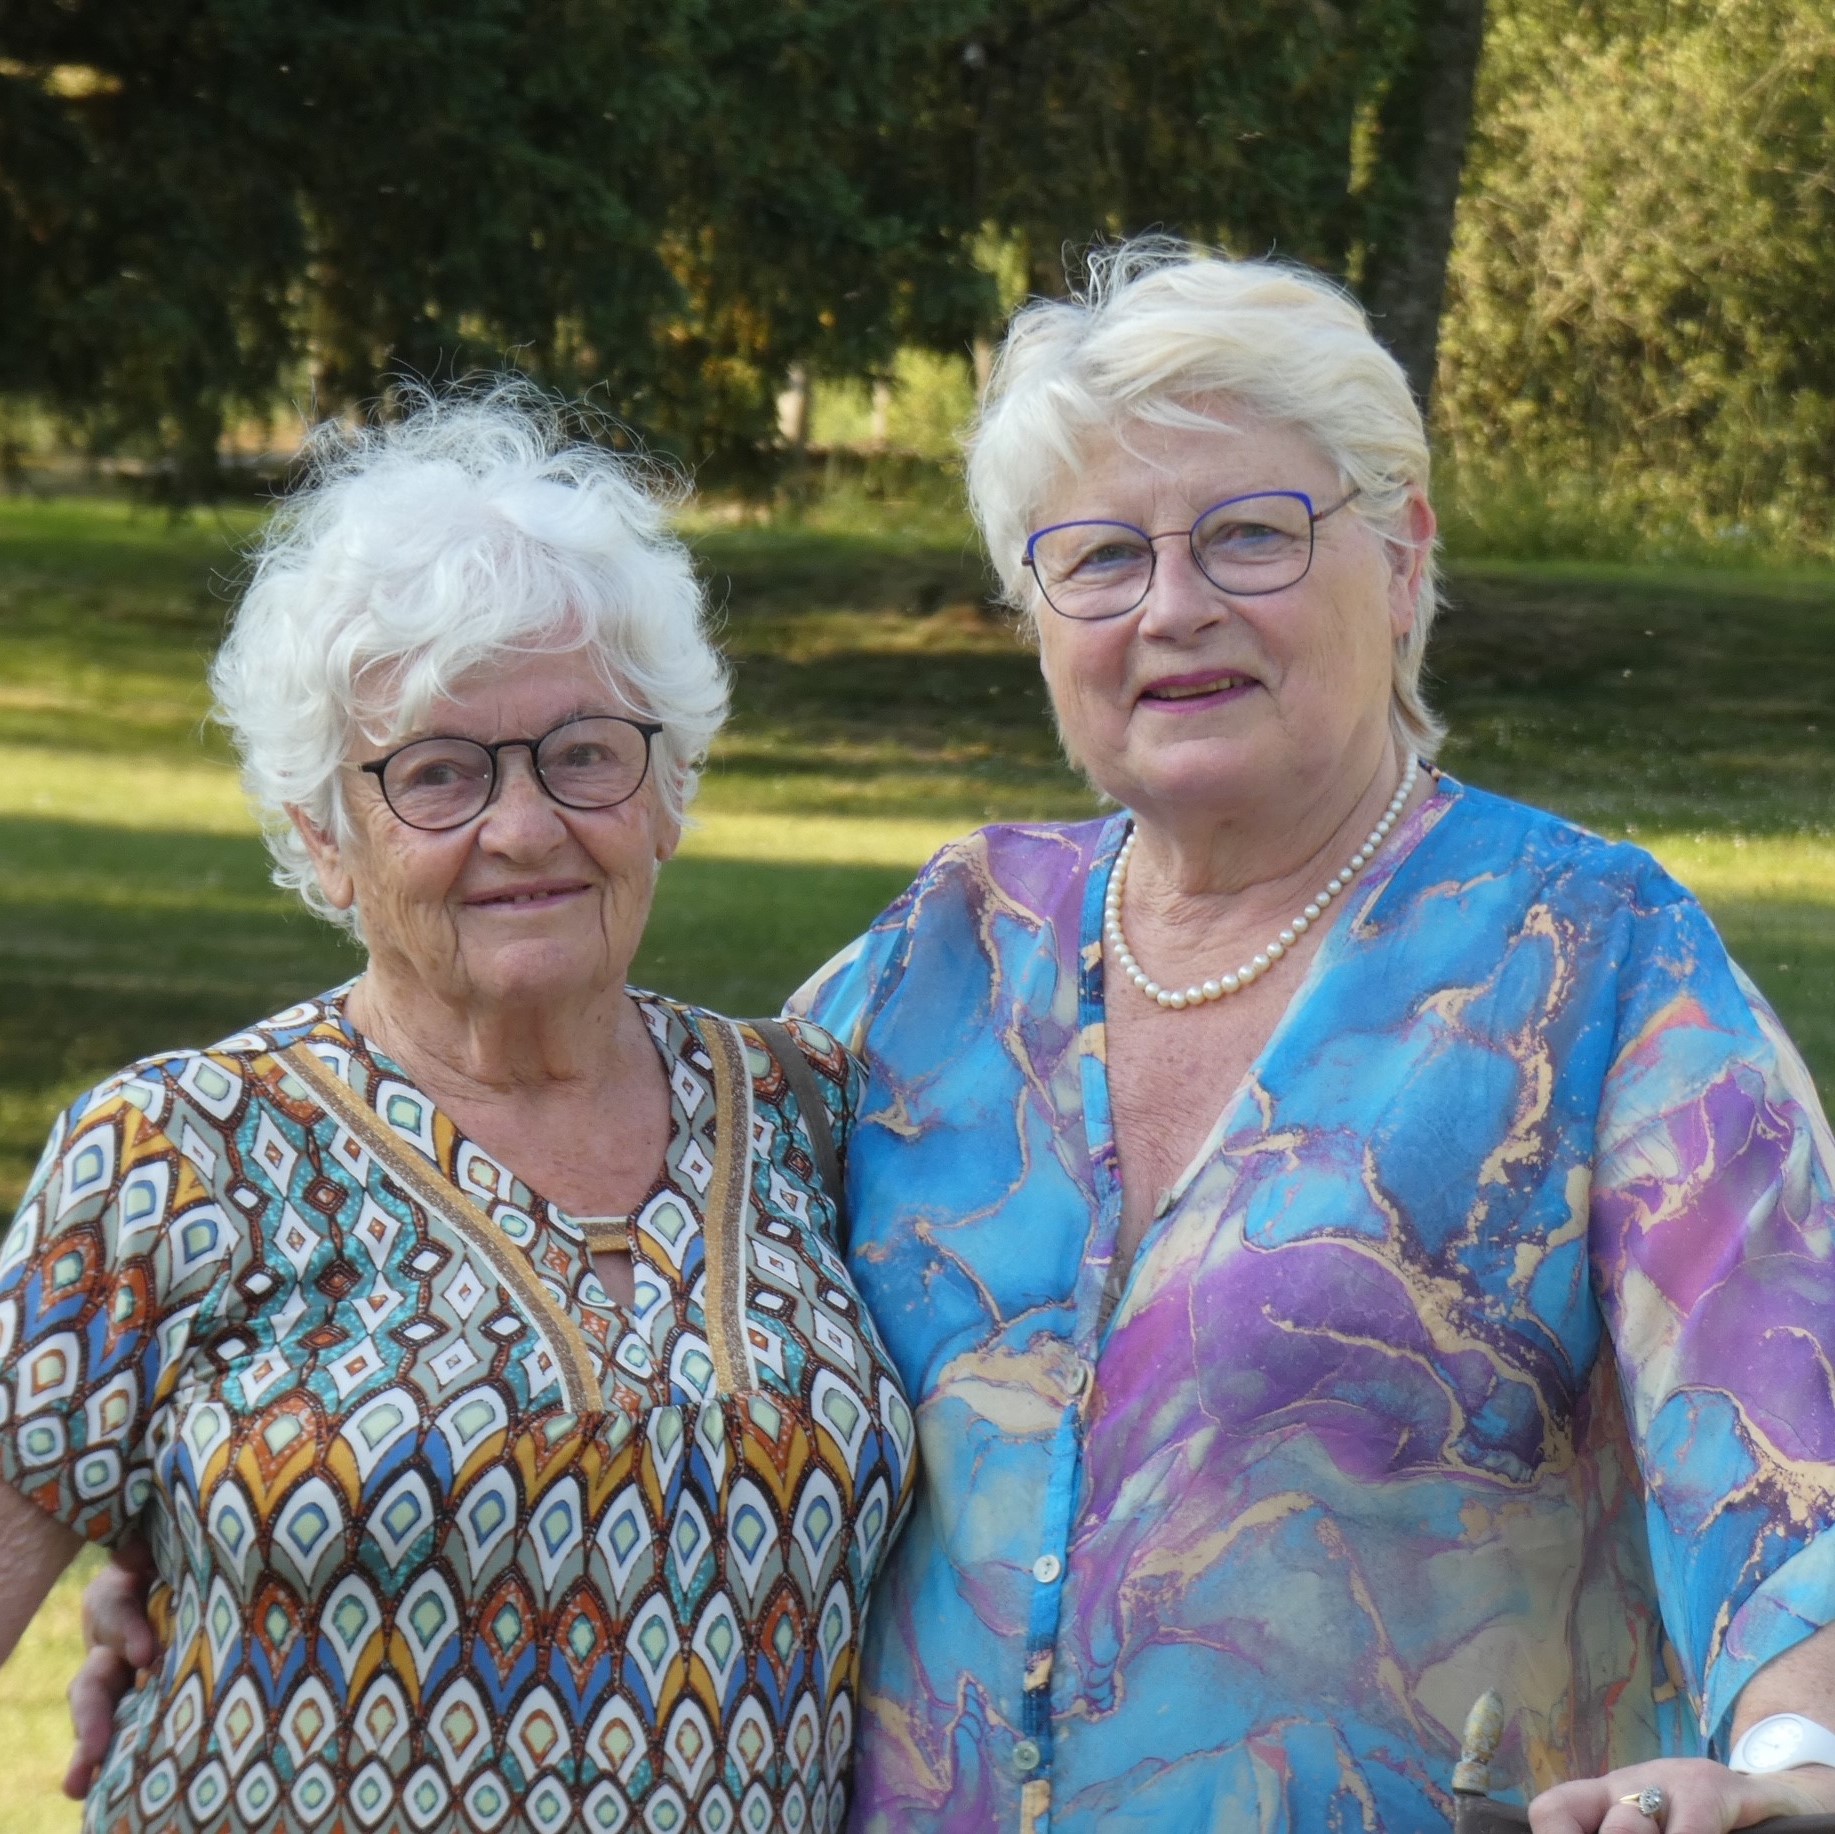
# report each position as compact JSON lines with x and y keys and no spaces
{"x":1782,"y":1742}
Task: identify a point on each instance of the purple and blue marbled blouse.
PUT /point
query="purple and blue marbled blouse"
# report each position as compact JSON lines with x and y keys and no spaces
{"x":1487,"y":1342}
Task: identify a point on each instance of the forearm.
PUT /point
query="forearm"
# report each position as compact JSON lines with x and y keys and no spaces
{"x":34,"y":1549}
{"x":1802,"y":1680}
{"x":1707,"y":1798}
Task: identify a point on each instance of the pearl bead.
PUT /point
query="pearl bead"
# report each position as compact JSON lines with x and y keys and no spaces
{"x":1261,"y":962}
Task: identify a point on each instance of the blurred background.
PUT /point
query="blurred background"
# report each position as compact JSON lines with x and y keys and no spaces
{"x":776,"y":242}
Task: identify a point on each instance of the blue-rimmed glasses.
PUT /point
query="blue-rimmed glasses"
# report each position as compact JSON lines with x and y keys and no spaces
{"x":1245,"y":546}
{"x":592,"y":763}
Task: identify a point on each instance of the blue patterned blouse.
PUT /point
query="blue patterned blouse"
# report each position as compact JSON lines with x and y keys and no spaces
{"x":1486,"y":1343}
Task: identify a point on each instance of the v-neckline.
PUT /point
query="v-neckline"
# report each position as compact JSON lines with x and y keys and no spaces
{"x":516,"y":1191}
{"x":1105,"y":1162}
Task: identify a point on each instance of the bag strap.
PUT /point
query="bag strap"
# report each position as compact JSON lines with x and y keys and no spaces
{"x":782,"y":1045}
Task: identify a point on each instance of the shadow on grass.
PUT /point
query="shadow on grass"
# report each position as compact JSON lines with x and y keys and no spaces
{"x":116,"y":943}
{"x":741,"y":935}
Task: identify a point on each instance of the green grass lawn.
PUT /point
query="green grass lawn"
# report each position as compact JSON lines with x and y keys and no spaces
{"x":879,"y":711}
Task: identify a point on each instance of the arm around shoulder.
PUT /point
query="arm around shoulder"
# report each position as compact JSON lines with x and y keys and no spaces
{"x":34,"y":1549}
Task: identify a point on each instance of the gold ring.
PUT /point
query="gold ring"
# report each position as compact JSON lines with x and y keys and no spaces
{"x":1650,"y":1800}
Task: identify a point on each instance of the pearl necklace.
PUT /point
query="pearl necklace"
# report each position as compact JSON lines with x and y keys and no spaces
{"x":1258,"y":964}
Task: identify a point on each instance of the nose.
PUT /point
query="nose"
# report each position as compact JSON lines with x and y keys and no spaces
{"x":1180,"y":600}
{"x":521,"y":816}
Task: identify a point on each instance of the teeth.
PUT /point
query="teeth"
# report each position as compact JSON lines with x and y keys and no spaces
{"x":1192,"y":693}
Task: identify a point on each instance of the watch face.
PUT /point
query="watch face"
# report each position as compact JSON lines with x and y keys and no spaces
{"x":1774,"y":1745}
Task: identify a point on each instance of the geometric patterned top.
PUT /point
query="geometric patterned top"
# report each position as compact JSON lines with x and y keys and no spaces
{"x":1484,"y":1343}
{"x":446,"y":1537}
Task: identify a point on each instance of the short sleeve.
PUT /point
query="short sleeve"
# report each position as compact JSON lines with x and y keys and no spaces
{"x":95,"y":1306}
{"x":1713,"y":1242}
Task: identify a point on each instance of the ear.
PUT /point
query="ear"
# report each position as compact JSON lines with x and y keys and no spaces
{"x":665,"y":827}
{"x":327,"y":857}
{"x":1408,"y":556}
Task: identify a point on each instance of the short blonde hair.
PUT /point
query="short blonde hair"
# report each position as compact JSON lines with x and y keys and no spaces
{"x":477,"y":530}
{"x":1160,"y":325}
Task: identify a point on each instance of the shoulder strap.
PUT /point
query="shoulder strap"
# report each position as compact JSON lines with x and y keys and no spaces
{"x":781,"y":1043}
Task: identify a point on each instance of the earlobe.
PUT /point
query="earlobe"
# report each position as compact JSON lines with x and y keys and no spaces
{"x":327,"y":859}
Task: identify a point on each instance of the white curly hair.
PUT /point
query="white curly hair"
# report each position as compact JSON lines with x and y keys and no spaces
{"x":477,"y":528}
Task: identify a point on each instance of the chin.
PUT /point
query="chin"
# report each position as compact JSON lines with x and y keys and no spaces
{"x":539,"y":974}
{"x":1196,"y":776}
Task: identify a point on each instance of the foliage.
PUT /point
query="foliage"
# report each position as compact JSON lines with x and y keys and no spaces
{"x":209,"y":205}
{"x":1644,"y":261}
{"x":667,"y":200}
{"x":932,"y":398}
{"x":1063,"y":118}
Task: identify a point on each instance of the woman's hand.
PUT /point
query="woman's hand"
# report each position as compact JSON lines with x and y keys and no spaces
{"x":1703,"y":1798}
{"x":121,"y":1643}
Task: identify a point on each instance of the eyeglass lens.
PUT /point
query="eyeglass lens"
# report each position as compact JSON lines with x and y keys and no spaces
{"x":1101,"y":569}
{"x":585,"y":764}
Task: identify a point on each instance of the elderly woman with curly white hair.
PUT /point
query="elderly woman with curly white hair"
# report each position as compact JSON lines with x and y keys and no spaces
{"x":470,"y":1343}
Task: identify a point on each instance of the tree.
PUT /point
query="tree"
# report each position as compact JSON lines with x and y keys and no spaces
{"x":1423,"y":121}
{"x":348,"y":189}
{"x":205,"y":204}
{"x":1642,"y":273}
{"x":665,"y":203}
{"x":1330,"y":133}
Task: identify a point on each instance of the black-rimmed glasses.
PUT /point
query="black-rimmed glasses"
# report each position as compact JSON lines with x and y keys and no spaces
{"x":1245,"y":546}
{"x":595,"y":762}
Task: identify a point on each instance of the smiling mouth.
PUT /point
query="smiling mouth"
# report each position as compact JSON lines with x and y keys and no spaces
{"x":1198,"y":690}
{"x":513,"y":900}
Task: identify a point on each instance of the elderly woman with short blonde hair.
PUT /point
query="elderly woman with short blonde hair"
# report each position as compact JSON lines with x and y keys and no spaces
{"x":470,"y":1343}
{"x":1353,"y":1241}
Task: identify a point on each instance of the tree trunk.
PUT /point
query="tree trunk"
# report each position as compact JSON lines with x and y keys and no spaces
{"x":1425,"y":125}
{"x":793,"y":409}
{"x":981,"y":353}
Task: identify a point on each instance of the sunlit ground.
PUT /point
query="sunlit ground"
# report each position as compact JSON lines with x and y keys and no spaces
{"x":879,"y":712}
